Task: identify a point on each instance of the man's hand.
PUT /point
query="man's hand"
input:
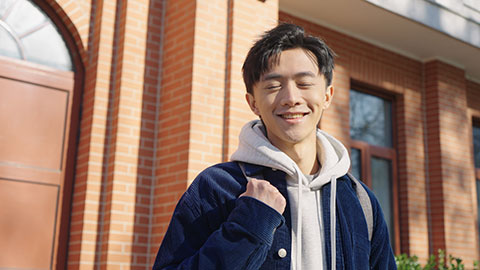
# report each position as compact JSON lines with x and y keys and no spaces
{"x":264,"y":191}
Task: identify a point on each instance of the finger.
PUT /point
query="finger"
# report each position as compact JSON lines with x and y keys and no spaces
{"x":249,"y":188}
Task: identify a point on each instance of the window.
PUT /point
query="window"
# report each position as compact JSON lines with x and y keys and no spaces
{"x":476,"y":156}
{"x":372,"y":152}
{"x":26,"y":33}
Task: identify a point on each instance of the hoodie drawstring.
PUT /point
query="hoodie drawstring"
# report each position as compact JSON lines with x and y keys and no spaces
{"x":333,"y":200}
{"x":299,"y":222}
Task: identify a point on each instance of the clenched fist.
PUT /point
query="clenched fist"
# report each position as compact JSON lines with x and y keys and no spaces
{"x":264,"y":191}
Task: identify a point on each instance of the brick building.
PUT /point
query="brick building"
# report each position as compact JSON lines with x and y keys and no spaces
{"x":109,"y":109}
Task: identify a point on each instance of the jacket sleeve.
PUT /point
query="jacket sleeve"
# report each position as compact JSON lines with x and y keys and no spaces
{"x":381,"y":254}
{"x":241,"y":240}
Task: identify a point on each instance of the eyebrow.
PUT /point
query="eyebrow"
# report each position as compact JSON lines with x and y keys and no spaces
{"x":273,"y":76}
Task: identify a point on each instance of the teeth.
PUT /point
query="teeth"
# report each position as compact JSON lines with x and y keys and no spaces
{"x":292,"y":116}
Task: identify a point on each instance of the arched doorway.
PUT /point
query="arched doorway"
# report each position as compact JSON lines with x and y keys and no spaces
{"x":40,"y":85}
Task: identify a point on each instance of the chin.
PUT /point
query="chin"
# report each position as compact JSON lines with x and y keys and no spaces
{"x":294,"y":138}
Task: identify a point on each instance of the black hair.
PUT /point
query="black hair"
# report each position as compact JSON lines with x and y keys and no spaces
{"x":285,"y":36}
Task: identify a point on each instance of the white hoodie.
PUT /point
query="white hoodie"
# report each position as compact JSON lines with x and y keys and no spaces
{"x":308,"y":250}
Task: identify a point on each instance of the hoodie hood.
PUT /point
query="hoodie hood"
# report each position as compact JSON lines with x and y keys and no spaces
{"x":254,"y":147}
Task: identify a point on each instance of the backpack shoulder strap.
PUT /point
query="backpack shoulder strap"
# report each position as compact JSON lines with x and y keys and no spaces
{"x":365,"y":203}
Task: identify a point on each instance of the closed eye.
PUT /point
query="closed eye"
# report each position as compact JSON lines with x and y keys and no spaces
{"x":304,"y":85}
{"x":273,"y":87}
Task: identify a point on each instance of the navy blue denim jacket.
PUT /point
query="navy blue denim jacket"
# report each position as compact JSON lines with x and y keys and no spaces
{"x":211,"y":228}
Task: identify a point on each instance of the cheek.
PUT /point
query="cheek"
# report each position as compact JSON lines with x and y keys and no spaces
{"x":315,"y":100}
{"x":263,"y":108}
{"x":267,"y":102}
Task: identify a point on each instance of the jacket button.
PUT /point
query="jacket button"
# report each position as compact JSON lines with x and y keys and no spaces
{"x":282,"y":253}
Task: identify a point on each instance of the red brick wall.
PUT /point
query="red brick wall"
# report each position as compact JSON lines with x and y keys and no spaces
{"x":90,"y":157}
{"x":110,"y":218}
{"x":451,"y":175}
{"x":171,"y":161}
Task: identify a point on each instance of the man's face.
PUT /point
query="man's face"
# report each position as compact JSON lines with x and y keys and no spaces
{"x":290,"y":99}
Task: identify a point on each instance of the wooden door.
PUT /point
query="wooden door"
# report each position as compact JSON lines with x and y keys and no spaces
{"x":35,"y":167}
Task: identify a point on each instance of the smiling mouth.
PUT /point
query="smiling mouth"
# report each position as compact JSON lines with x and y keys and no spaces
{"x":292,"y":115}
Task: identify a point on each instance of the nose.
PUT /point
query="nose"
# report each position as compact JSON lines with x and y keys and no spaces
{"x":290,"y":95}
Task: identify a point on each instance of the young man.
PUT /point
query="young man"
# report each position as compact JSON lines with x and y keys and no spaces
{"x":285,"y":201}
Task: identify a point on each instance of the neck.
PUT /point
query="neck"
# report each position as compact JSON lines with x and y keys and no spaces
{"x":304,"y":155}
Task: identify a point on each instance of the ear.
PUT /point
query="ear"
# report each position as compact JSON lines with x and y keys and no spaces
{"x":252,"y":103}
{"x":328,"y":96}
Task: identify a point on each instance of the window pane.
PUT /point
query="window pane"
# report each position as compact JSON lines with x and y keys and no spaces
{"x":370,"y":119}
{"x":8,"y":46}
{"x":382,"y":187}
{"x":5,"y":6}
{"x":356,"y":159}
{"x":53,"y":51}
{"x":476,"y":145}
{"x":24,"y":17}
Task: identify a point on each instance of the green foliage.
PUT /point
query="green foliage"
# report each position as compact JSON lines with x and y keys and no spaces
{"x":435,"y":262}
{"x":404,"y":262}
{"x":430,"y":263}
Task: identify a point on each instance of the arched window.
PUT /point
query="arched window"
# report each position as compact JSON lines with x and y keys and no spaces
{"x":27,"y":33}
